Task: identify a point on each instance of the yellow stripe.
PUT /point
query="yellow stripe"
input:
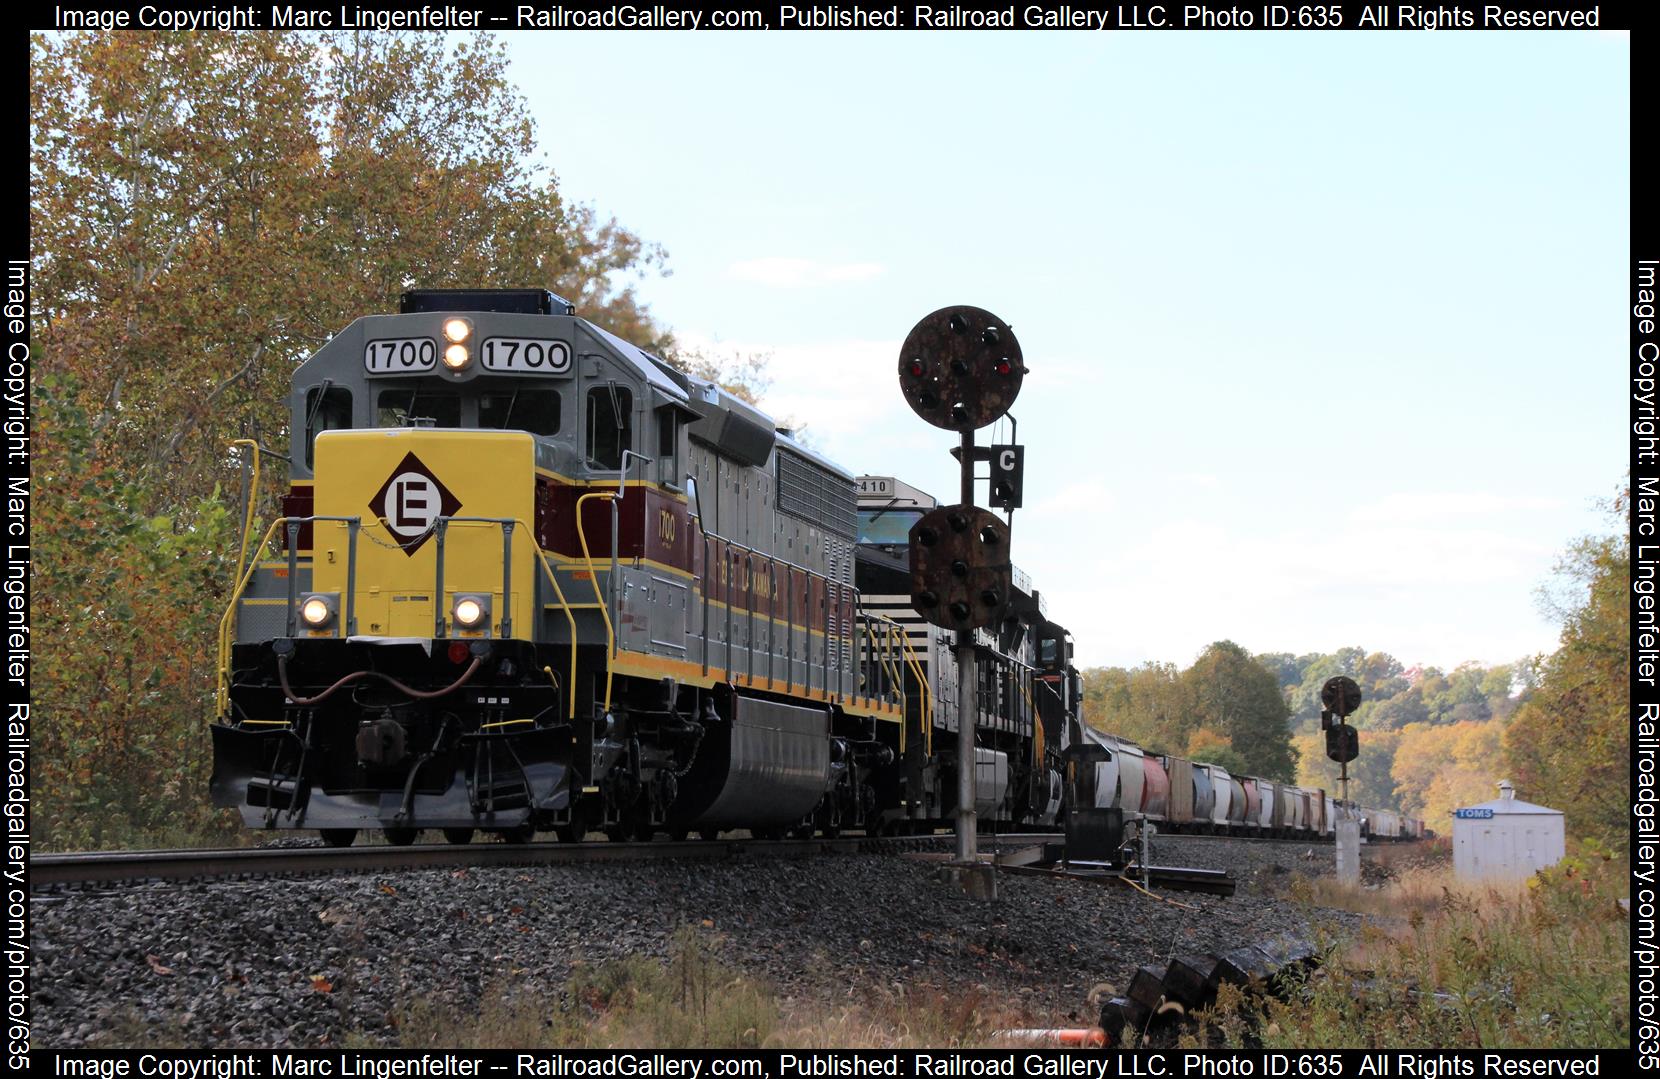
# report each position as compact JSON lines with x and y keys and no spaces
{"x":570,"y":562}
{"x":634,"y":664}
{"x":610,"y":484}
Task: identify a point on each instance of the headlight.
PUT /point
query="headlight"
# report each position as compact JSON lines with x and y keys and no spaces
{"x":457,"y":330}
{"x":470,"y":611}
{"x":456,"y":357}
{"x":317,"y":611}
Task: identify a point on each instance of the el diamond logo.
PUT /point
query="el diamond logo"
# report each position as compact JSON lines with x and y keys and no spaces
{"x":410,"y":503}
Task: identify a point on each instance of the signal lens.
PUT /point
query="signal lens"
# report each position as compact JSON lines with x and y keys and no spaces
{"x":916,"y":368}
{"x":456,"y":357}
{"x":1003,"y":367}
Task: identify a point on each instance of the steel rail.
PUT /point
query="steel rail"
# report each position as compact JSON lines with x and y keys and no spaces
{"x":108,"y":867}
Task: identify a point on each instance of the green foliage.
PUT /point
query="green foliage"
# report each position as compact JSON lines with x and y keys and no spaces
{"x":1569,"y":745}
{"x":1226,"y":706}
{"x":1235,"y":696}
{"x":126,"y":603}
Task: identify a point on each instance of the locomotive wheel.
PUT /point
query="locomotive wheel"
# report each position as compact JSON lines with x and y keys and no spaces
{"x":399,"y":837}
{"x":524,"y":833}
{"x":619,"y":833}
{"x":337,"y":837}
{"x":708,"y":835}
{"x":679,"y":834}
{"x":458,"y":836}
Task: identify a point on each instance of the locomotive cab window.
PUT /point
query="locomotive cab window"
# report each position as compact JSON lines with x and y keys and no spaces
{"x":418,"y":408}
{"x":610,"y":425}
{"x":887,"y":526}
{"x":536,"y":411}
{"x":668,"y":447}
{"x":327,"y":408}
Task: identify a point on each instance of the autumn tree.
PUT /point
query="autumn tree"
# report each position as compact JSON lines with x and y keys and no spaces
{"x":1238,"y":698}
{"x":206,"y":210}
{"x":1569,"y":745}
{"x":1212,"y":747}
{"x":1147,"y":704}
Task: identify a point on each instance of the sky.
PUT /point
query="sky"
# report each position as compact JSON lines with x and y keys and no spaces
{"x":1325,"y":332}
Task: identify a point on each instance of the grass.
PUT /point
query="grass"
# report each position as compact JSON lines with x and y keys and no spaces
{"x":692,"y":1001}
{"x":1446,"y":964}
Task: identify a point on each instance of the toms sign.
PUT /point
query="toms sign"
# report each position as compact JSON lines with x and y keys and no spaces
{"x":1473,"y":814}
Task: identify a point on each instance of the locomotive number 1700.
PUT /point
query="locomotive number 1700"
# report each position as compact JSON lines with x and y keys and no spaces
{"x":400,"y":354}
{"x":526,"y":355}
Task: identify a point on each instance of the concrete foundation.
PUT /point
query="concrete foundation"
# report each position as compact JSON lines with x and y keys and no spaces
{"x":978,"y":880}
{"x":1347,"y":833}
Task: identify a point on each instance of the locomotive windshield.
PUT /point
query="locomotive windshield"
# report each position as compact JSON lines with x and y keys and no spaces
{"x":533,"y":410}
{"x":410,"y":407}
{"x":887,"y":526}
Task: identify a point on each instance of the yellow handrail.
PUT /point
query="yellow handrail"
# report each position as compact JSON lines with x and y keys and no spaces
{"x":224,"y":695}
{"x":915,"y":664}
{"x":921,"y":673}
{"x":564,"y":604}
{"x":253,"y":497}
{"x":897,"y":650}
{"x":553,"y":579}
{"x":604,"y":608}
{"x":890,"y":663}
{"x":1037,"y":724}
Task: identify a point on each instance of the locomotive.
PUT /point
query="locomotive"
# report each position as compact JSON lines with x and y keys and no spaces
{"x":534,"y":578}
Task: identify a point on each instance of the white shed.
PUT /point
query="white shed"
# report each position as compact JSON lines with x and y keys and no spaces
{"x":1506,"y":837}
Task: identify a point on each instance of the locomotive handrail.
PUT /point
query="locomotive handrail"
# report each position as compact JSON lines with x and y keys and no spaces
{"x":253,"y":497}
{"x":440,"y":528}
{"x":224,"y":693}
{"x":915,"y":665}
{"x":1037,"y":724}
{"x":703,"y":592}
{"x":890,"y":661}
{"x":508,"y":524}
{"x":293,"y":523}
{"x":772,"y":616}
{"x":352,"y":524}
{"x":593,"y":579}
{"x":927,"y":722}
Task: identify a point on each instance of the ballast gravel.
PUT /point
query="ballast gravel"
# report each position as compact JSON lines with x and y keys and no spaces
{"x":308,"y":962}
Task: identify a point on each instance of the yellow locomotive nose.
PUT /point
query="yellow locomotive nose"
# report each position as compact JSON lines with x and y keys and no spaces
{"x":433,"y":507}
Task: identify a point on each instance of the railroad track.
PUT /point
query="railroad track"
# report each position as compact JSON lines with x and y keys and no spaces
{"x":108,"y":867}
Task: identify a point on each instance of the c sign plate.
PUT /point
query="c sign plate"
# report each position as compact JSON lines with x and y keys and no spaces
{"x":526,"y":355}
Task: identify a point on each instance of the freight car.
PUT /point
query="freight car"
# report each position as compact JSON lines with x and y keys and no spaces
{"x":1179,"y":795}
